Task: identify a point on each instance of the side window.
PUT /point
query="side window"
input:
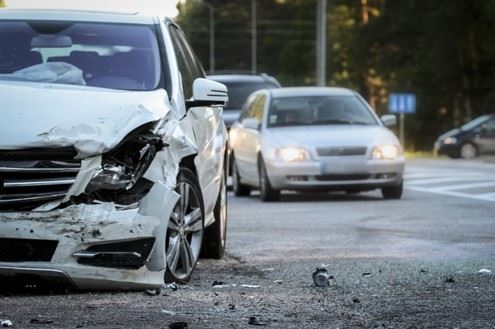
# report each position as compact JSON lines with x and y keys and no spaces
{"x":489,"y":127}
{"x":245,"y":108}
{"x":189,"y":66}
{"x":256,"y":108}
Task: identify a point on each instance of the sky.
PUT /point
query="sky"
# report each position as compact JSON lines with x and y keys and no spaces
{"x":162,"y":7}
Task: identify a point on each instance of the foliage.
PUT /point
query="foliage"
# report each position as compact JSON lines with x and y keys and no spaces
{"x":440,"y":50}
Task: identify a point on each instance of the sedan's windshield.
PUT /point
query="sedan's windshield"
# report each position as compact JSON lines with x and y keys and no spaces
{"x":319,"y":110}
{"x":116,"y":56}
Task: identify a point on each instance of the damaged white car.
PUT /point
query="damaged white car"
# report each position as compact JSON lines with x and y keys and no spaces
{"x":112,"y":150}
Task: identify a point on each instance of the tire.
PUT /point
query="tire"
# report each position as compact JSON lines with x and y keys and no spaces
{"x":267,"y":192}
{"x":392,"y":192}
{"x":239,"y":188}
{"x":216,"y":234}
{"x":468,"y":151}
{"x":185,"y":230}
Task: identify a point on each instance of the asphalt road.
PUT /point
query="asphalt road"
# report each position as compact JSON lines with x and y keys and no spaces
{"x":411,"y":263}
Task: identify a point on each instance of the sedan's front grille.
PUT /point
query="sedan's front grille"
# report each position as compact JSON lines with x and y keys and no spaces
{"x":30,"y":178}
{"x":341,"y":151}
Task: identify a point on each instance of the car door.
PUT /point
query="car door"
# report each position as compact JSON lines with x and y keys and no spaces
{"x":250,"y":137}
{"x":486,"y":137}
{"x":206,"y":123}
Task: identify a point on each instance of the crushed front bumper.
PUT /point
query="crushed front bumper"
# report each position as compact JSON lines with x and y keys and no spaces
{"x":93,"y":246}
{"x":336,"y":174}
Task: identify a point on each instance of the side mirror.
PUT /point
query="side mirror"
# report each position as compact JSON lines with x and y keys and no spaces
{"x":251,"y":123}
{"x":389,"y":120}
{"x":208,"y":93}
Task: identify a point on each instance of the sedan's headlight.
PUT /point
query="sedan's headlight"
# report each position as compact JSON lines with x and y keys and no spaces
{"x":292,"y":154}
{"x":386,"y":152}
{"x":112,"y":177}
{"x":450,"y":140}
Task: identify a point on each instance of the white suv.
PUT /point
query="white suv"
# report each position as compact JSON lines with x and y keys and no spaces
{"x":112,"y":150}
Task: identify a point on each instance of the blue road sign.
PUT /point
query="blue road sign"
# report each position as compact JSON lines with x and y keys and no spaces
{"x":402,"y":103}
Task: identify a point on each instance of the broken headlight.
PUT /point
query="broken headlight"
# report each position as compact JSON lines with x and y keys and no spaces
{"x":122,"y":168}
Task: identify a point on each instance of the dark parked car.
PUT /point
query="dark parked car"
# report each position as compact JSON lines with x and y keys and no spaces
{"x":240,"y":86}
{"x":474,"y":138}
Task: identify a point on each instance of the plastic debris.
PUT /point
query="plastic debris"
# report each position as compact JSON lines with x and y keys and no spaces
{"x":168,"y":312}
{"x":232,"y":307}
{"x":367,"y":274}
{"x":250,"y":286}
{"x":484,"y":271}
{"x":450,"y":279}
{"x":178,"y":325}
{"x":5,"y":323}
{"x":269,"y":269}
{"x":40,"y":321}
{"x":278,"y":281}
{"x":423,"y":271}
{"x":254,"y":321}
{"x":217,"y":283}
{"x":356,"y":300}
{"x":153,"y":292}
{"x":321,"y":277}
{"x":173,"y":286}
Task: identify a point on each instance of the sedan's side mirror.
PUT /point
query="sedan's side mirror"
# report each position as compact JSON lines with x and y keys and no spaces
{"x":208,"y":93}
{"x":389,"y":120}
{"x":251,"y":123}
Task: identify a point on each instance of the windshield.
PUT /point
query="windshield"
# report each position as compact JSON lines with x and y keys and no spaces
{"x":475,"y":123}
{"x":239,"y":92}
{"x":319,"y":110}
{"x":116,"y":56}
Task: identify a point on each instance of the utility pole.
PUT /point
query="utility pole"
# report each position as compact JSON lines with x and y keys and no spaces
{"x":211,"y":35}
{"x":254,"y":37}
{"x":321,"y":42}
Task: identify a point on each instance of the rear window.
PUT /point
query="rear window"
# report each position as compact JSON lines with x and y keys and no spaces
{"x":116,"y":56}
{"x":239,"y":91}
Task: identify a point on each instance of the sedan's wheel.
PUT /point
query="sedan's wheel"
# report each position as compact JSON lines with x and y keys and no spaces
{"x":267,"y":192}
{"x":185,"y":229}
{"x":392,"y":192}
{"x":468,"y":151}
{"x":239,"y":188}
{"x":216,"y":233}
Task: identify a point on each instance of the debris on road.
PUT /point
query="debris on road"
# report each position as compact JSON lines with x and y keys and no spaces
{"x":356,"y":300}
{"x":321,"y":277}
{"x":250,"y":286}
{"x":367,"y":274}
{"x":218,"y":283}
{"x":178,"y":325}
{"x":5,"y":323}
{"x":173,"y":286}
{"x":278,"y":281}
{"x":232,"y":307}
{"x":450,"y":279}
{"x":484,"y":271}
{"x":168,"y":312}
{"x":269,"y":269}
{"x":423,"y":271}
{"x":153,"y":292}
{"x":254,"y":321}
{"x":40,"y":321}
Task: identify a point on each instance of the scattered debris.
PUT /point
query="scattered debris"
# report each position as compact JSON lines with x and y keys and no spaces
{"x":173,"y":286}
{"x":254,"y":321}
{"x":153,"y":292}
{"x":320,"y":277}
{"x":232,"y":307}
{"x":278,"y":281}
{"x":250,"y":286}
{"x":269,"y":269}
{"x":178,"y":325}
{"x":5,"y":323}
{"x":168,"y":312}
{"x":367,"y":274}
{"x":356,"y":300}
{"x":40,"y":321}
{"x":484,"y":271}
{"x":218,"y":283}
{"x":450,"y":279}
{"x":423,"y":271}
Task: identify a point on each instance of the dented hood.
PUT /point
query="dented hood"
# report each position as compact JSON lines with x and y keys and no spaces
{"x":92,"y":120}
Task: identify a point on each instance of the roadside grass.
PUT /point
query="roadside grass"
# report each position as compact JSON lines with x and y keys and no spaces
{"x":421,"y":155}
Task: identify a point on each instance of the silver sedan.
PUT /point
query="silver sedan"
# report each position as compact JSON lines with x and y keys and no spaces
{"x":314,"y":138}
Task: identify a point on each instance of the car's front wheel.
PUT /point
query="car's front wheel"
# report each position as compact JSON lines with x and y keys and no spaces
{"x":185,"y":229}
{"x":468,"y":151}
{"x":267,"y":192}
{"x":392,"y":192}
